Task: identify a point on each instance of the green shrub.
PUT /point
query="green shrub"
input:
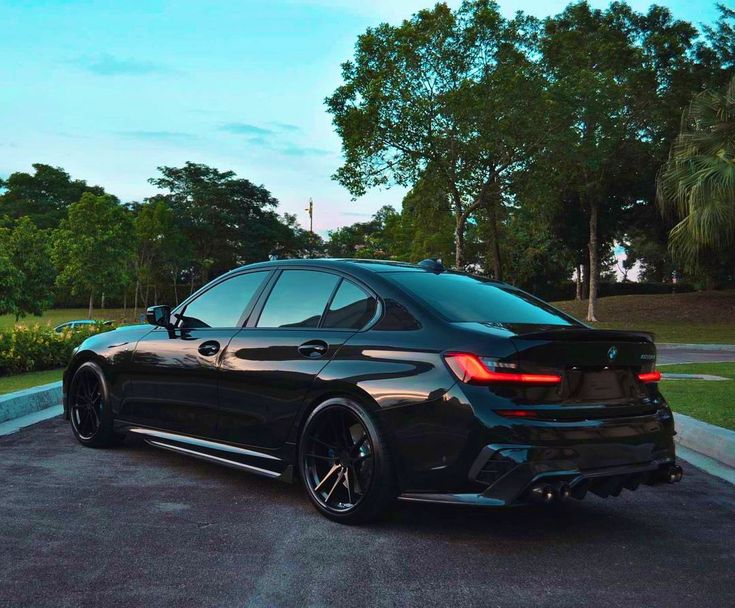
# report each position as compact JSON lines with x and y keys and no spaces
{"x":35,"y":348}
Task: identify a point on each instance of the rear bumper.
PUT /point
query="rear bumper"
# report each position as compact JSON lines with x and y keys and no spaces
{"x":461,"y":449}
{"x":519,"y":480}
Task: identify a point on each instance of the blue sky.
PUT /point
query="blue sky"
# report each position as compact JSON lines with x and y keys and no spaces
{"x":110,"y":90}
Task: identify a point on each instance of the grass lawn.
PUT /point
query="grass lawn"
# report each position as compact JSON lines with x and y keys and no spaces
{"x":697,"y":318}
{"x":57,"y":316}
{"x":18,"y":382}
{"x":711,"y":401}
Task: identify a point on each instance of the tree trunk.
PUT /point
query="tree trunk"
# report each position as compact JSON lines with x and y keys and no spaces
{"x":91,"y":301}
{"x":125,"y":305}
{"x":191,"y":288}
{"x":135,"y":305}
{"x":578,"y":295}
{"x":497,"y":260}
{"x":176,"y":288}
{"x":585,"y":279}
{"x":594,"y":263}
{"x":459,"y":244}
{"x":102,"y":301}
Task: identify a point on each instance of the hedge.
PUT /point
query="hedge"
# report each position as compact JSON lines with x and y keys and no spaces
{"x":36,"y":348}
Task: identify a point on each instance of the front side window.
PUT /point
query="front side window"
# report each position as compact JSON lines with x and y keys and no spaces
{"x":298,"y":299}
{"x":351,"y":308}
{"x":223,"y":304}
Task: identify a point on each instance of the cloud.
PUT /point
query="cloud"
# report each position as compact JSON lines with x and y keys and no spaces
{"x":295,"y":150}
{"x":285,"y":126}
{"x":109,"y":65}
{"x":276,"y":139}
{"x":159,"y":135}
{"x":243,"y":128}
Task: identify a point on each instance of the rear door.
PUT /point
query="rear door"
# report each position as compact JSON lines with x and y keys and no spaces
{"x":176,"y":371}
{"x":270,"y":365}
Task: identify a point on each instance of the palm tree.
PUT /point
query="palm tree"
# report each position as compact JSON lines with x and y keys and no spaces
{"x":697,"y":184}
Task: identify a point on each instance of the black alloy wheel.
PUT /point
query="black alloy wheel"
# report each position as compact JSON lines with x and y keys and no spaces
{"x":344,"y":463}
{"x":88,"y":411}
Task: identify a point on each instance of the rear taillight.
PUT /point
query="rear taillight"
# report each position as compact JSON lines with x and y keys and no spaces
{"x":476,"y":370}
{"x":650,"y":377}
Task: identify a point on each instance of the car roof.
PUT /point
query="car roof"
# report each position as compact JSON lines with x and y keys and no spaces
{"x":356,"y":266}
{"x":347,"y":264}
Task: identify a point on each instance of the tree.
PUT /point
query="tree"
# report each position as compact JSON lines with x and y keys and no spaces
{"x":163,"y":252}
{"x":43,"y":196}
{"x":10,"y":280}
{"x":593,"y":66}
{"x":697,"y":184}
{"x":29,"y":252}
{"x":451,"y":91}
{"x":93,"y":246}
{"x":228,"y":220}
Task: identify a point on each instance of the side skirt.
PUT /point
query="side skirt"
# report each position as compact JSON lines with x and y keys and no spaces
{"x":218,"y":453}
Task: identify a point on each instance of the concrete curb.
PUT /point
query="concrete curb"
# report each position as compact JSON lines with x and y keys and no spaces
{"x":707,"y":439}
{"x":16,"y":424}
{"x":21,"y":403}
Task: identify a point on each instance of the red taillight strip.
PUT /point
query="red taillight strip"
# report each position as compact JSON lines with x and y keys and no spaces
{"x":517,"y":413}
{"x":650,"y":377}
{"x":469,"y":368}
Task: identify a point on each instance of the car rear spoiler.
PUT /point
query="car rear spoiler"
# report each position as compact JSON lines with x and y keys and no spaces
{"x":594,"y":335}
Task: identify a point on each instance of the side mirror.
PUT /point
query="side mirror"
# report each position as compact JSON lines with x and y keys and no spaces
{"x":160,"y":316}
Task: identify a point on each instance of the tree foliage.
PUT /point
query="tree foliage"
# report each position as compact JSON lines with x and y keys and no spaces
{"x":228,"y":220}
{"x":29,"y":251}
{"x":92,"y":247}
{"x":697,"y":184}
{"x":43,"y":196}
{"x":451,"y":92}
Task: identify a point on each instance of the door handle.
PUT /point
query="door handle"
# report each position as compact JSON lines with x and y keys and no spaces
{"x":209,"y":348}
{"x":313,"y":349}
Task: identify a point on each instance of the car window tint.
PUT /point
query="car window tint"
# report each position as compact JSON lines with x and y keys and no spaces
{"x":396,"y":318}
{"x":465,"y":298}
{"x":351,"y":308}
{"x":298,"y":299}
{"x":223,"y":304}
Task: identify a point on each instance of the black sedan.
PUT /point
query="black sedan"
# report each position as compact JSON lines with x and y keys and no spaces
{"x":373,"y":380}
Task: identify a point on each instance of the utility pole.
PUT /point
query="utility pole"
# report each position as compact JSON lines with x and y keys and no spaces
{"x":310,"y":209}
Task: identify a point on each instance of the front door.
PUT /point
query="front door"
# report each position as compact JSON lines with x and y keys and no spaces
{"x":269,"y":366}
{"x":176,"y":371}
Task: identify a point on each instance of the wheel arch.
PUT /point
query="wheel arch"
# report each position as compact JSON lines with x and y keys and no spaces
{"x":339,"y":389}
{"x":331,"y":390}
{"x":80,"y":359}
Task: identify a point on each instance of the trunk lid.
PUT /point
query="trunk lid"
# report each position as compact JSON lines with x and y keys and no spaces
{"x":599,"y":370}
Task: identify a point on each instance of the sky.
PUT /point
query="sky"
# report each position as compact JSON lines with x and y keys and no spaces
{"x":110,"y":90}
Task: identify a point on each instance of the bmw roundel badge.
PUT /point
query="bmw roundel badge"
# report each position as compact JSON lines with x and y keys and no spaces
{"x":612,"y":353}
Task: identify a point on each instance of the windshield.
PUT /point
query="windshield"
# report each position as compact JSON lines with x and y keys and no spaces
{"x":463,"y":298}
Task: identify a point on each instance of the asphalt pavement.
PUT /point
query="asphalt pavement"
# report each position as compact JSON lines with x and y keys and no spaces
{"x":134,"y":526}
{"x":694,"y":353}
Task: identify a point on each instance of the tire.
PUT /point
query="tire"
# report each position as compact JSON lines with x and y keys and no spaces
{"x":351,"y":479}
{"x":90,"y":413}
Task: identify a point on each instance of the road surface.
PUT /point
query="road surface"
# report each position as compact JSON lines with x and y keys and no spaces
{"x":134,"y":526}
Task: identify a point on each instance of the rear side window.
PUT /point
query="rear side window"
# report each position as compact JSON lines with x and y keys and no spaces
{"x":351,"y":308}
{"x":298,"y":299}
{"x":223,"y":304}
{"x":464,"y":298}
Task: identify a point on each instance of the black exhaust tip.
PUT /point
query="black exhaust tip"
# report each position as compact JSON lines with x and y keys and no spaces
{"x":542,"y":493}
{"x":675,"y":474}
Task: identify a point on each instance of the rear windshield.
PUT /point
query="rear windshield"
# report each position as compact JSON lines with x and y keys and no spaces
{"x":462,"y":298}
